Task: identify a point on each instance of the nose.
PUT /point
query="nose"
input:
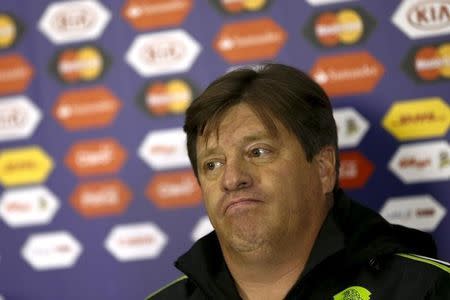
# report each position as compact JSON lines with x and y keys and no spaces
{"x":236,"y":176}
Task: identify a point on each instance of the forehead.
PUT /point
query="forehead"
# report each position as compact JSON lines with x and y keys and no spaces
{"x":239,"y":122}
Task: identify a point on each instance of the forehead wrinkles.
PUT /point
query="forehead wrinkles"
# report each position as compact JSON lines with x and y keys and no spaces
{"x":211,"y":127}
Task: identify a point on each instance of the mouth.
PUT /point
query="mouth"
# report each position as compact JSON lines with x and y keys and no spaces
{"x":236,"y":204}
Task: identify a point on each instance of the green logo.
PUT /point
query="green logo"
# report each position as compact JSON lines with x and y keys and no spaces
{"x":353,"y":293}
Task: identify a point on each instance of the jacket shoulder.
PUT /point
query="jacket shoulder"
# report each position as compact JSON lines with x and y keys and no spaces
{"x":176,"y":289}
{"x":427,"y":263}
{"x":429,"y":272}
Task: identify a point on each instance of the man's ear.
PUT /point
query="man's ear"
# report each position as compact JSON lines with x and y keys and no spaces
{"x":326,"y":162}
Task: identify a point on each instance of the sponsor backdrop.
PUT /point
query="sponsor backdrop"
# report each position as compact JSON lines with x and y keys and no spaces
{"x":96,"y":193}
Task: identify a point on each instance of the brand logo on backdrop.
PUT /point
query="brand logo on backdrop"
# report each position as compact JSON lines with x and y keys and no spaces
{"x":345,"y":26}
{"x":250,"y":40}
{"x":52,"y":250}
{"x":95,"y":157}
{"x":86,"y":108}
{"x":321,"y":2}
{"x":10,"y":30}
{"x":163,"y":98}
{"x":152,"y":14}
{"x":418,"y":118}
{"x":351,"y":126}
{"x":166,"y":52}
{"x":240,"y":6}
{"x":28,"y":206}
{"x":428,"y":63}
{"x":74,"y":21}
{"x":25,"y":165}
{"x":347,"y":74}
{"x":355,"y":170}
{"x":15,"y":74}
{"x":419,"y":19}
{"x":202,"y":228}
{"x":136,"y":241}
{"x":421,"y":212}
{"x":75,"y":65}
{"x":102,"y":198}
{"x":422,"y":162}
{"x":175,"y":189}
{"x":19,"y":118}
{"x":165,"y":149}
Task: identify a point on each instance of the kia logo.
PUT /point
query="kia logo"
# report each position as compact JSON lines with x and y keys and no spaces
{"x":163,"y":52}
{"x":430,"y":15}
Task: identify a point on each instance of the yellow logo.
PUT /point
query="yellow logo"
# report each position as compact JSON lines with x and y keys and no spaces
{"x":26,"y":165}
{"x":418,"y":118}
{"x":353,"y":293}
{"x":8,"y":31}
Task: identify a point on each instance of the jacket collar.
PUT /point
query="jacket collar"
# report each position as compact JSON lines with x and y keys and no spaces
{"x":351,"y":230}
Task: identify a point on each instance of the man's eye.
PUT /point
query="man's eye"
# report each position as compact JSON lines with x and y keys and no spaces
{"x":257,"y":152}
{"x":212,"y":165}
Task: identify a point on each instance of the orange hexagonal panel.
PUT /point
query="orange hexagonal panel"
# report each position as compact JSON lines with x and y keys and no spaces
{"x":355,"y":170}
{"x":250,"y":40}
{"x":15,"y":74}
{"x":95,"y":157}
{"x":174,"y":189}
{"x":86,"y":108}
{"x":101,"y":198}
{"x":152,"y":14}
{"x":347,"y":74}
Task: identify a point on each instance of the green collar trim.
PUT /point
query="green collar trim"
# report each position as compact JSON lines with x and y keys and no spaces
{"x":440,"y":264}
{"x":167,"y":285}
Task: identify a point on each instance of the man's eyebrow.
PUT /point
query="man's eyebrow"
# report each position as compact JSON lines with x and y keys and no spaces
{"x":246,"y":139}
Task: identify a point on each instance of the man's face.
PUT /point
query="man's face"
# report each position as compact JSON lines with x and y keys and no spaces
{"x":259,"y":189}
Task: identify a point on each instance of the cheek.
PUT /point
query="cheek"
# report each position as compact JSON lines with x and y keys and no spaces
{"x":209,"y":196}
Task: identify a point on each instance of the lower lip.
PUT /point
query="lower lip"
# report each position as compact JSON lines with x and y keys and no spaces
{"x":241,"y":205}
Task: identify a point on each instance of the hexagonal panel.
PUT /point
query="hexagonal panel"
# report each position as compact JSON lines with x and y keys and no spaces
{"x":11,"y":29}
{"x":165,"y":149}
{"x":419,"y":19}
{"x":422,"y":162}
{"x":86,"y":108}
{"x":258,"y":39}
{"x":174,"y":189}
{"x":25,"y":165}
{"x":19,"y":118}
{"x":16,"y":74}
{"x":333,"y":28}
{"x":101,"y":198}
{"x":418,"y":118}
{"x":136,"y":241}
{"x":28,"y":206}
{"x":161,"y":98}
{"x":95,"y":157}
{"x":428,"y":63}
{"x":322,"y":2}
{"x":351,"y":126}
{"x":421,"y":212}
{"x":165,"y":52}
{"x":51,"y":250}
{"x":74,"y":65}
{"x":73,"y":21}
{"x":240,"y":6}
{"x":348,"y":73}
{"x":152,"y":14}
{"x":355,"y":170}
{"x":202,"y":228}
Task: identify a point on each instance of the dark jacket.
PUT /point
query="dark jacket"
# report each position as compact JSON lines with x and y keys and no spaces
{"x":356,"y":256}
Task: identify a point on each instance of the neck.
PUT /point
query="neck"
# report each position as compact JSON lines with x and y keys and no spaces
{"x":268,"y":280}
{"x":271,"y":271}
